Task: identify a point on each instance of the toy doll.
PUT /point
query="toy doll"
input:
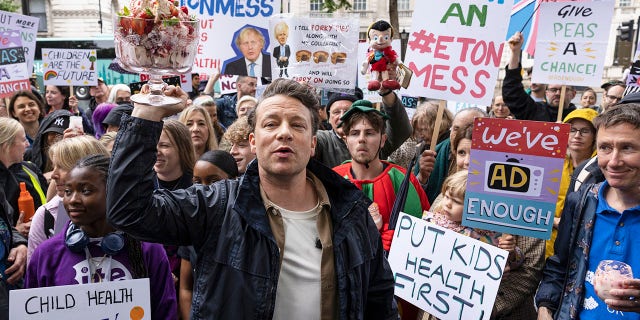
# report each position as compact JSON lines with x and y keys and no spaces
{"x":381,"y":57}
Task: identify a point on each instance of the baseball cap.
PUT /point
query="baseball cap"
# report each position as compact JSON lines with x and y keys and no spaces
{"x":114,"y":116}
{"x":587,"y":114}
{"x":364,"y":106}
{"x":612,"y":83}
{"x":58,"y":125}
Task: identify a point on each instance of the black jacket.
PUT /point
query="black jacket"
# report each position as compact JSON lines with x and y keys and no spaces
{"x":522,"y":105}
{"x":238,"y":257}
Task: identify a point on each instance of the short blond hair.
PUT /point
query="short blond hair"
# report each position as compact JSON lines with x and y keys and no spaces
{"x":66,"y":152}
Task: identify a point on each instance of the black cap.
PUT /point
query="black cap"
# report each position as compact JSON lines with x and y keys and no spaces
{"x":114,"y":116}
{"x":338,"y":96}
{"x":612,"y":83}
{"x":58,"y":125}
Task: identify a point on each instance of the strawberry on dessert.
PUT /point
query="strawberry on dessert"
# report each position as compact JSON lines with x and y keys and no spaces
{"x":156,"y":34}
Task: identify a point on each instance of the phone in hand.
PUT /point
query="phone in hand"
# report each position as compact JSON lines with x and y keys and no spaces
{"x":75,"y":122}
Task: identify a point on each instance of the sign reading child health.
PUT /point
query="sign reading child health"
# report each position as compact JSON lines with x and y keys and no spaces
{"x":514,"y":176}
{"x":13,"y":65}
{"x":127,"y":299}
{"x":321,"y":50}
{"x":449,"y":275}
{"x":69,"y":67}
{"x":454,"y":49}
{"x":572,"y":42}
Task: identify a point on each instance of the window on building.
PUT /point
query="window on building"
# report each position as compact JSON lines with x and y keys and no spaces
{"x":624,"y":3}
{"x":359,"y":5}
{"x":403,"y":4}
{"x":316,"y":5}
{"x":38,"y":9}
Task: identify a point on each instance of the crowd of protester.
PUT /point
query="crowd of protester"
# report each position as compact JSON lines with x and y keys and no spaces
{"x":279,"y":207}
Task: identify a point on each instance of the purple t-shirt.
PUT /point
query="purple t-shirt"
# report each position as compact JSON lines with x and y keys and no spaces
{"x":53,"y":264}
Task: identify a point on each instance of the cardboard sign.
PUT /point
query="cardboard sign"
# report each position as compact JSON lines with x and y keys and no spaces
{"x":445,"y":273}
{"x":220,"y":23}
{"x":69,"y":67}
{"x":321,"y":51}
{"x":27,"y":26}
{"x":127,"y":299}
{"x":514,"y":176}
{"x":454,"y":49}
{"x":572,"y":42}
{"x":13,"y":65}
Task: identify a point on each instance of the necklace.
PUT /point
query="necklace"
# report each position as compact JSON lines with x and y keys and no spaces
{"x":94,"y":266}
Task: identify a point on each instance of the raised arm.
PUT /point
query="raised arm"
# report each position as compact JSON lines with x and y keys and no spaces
{"x":399,"y":127}
{"x":519,"y":102}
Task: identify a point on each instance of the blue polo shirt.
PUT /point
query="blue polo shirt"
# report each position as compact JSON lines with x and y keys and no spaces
{"x":616,"y":236}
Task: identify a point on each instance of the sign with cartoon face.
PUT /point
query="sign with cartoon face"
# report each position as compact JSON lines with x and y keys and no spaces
{"x":514,"y":176}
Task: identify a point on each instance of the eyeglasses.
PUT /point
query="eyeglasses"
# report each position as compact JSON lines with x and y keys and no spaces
{"x":553,"y":90}
{"x":613,"y":98}
{"x":583,"y":131}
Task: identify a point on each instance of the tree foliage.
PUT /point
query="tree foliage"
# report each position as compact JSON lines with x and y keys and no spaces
{"x":8,"y":5}
{"x":334,"y":5}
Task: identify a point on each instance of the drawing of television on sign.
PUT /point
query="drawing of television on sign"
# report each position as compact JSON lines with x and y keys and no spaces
{"x":515,"y":169}
{"x":513,"y":177}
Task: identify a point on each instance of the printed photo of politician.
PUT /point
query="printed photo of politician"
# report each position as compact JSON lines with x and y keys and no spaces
{"x":252,"y":60}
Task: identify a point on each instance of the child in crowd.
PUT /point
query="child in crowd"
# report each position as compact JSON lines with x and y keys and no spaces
{"x":448,"y":214}
{"x":94,"y":249}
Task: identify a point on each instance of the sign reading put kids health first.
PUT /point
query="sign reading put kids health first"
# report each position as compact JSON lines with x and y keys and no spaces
{"x":69,"y":67}
{"x":514,"y":176}
{"x":572,"y":42}
{"x":454,"y":49}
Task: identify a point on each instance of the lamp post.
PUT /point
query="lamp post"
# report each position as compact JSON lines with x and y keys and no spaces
{"x":404,"y":37}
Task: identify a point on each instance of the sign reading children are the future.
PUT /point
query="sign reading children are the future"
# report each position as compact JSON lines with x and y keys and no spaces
{"x":69,"y":67}
{"x":514,"y":176}
{"x":448,"y":274}
{"x":454,"y":49}
{"x":13,"y":65}
{"x":126,"y":299}
{"x":572,"y":42}
{"x":322,"y":51}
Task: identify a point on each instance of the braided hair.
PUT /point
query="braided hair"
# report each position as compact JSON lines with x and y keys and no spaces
{"x":100,"y":163}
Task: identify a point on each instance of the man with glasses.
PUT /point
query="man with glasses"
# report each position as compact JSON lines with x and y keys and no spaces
{"x":253,"y":62}
{"x":521,"y":104}
{"x":613,"y":92}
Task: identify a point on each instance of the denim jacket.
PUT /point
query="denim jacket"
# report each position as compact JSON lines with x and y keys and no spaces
{"x":238,"y":257}
{"x":562,"y":285}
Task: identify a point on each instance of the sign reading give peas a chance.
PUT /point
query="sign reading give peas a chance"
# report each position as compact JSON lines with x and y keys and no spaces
{"x":69,"y":67}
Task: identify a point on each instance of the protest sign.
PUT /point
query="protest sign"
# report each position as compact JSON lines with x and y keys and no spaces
{"x":454,"y":49}
{"x":28,"y":28}
{"x":445,"y":273}
{"x":319,"y":51}
{"x":13,"y":65}
{"x":514,"y":175}
{"x":69,"y":67}
{"x":572,"y":42}
{"x":126,"y":299}
{"x":220,"y":23}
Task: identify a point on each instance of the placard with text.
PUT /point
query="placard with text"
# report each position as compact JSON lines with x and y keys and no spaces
{"x":514,"y":175}
{"x":448,"y":274}
{"x":27,"y":26}
{"x":572,"y":42}
{"x":454,"y":49}
{"x":69,"y":67}
{"x":13,"y":64}
{"x":321,"y":51}
{"x":126,"y":299}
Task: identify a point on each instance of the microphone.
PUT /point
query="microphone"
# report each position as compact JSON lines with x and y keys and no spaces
{"x":318,"y":243}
